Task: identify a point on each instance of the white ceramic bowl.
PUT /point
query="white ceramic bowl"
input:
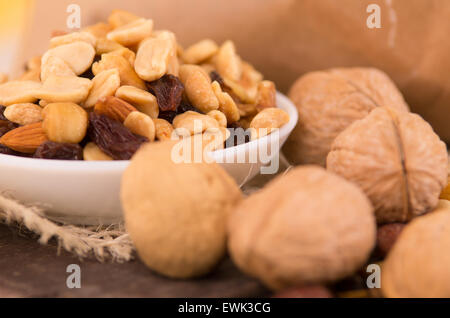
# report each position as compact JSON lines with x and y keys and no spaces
{"x":80,"y":192}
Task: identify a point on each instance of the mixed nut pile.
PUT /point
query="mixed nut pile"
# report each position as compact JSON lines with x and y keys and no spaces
{"x":100,"y":93}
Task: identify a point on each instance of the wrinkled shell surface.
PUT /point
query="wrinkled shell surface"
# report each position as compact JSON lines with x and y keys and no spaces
{"x":419,"y":264}
{"x":328,"y":102}
{"x":396,"y":159}
{"x":176,"y":213}
{"x":306,"y":227}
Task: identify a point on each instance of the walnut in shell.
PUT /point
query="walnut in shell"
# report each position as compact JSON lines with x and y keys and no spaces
{"x":418,"y":265}
{"x":329,"y":101}
{"x":176,"y":213}
{"x":306,"y":227}
{"x":396,"y":159}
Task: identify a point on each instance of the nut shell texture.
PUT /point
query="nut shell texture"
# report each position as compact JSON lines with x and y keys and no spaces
{"x":304,"y":228}
{"x":329,"y":101}
{"x":176,"y":213}
{"x":396,"y":159}
{"x":419,"y":264}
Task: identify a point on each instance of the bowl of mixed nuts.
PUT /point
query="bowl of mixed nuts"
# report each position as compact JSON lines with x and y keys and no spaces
{"x":72,"y":122}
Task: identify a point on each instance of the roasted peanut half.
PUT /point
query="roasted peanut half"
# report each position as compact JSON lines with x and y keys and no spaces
{"x":65,"y":122}
{"x":250,"y":80}
{"x":16,"y":92}
{"x":78,"y":55}
{"x":114,"y":108}
{"x":226,"y":103}
{"x":129,"y":55}
{"x":267,"y":121}
{"x":144,"y":101}
{"x":141,"y":124}
{"x":191,"y":123}
{"x":3,"y":78}
{"x":267,"y":95}
{"x":23,"y":114}
{"x":220,"y":117}
{"x":127,"y":74}
{"x":31,"y":75}
{"x":106,"y":46}
{"x":92,"y":152}
{"x":119,"y":18}
{"x":228,"y":63}
{"x":73,"y":37}
{"x":64,"y":89}
{"x":200,"y":52}
{"x":247,"y":110}
{"x":163,"y":128}
{"x":99,"y":30}
{"x":55,"y":66}
{"x":132,"y":33}
{"x":34,"y":63}
{"x":198,"y":88}
{"x":104,"y":84}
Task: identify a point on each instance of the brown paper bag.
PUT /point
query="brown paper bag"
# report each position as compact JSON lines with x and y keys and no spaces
{"x":286,"y":38}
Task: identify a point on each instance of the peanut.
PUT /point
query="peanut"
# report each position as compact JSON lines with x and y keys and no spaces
{"x":34,"y":63}
{"x":78,"y":55}
{"x":64,"y":89}
{"x":200,"y":52}
{"x":141,"y":124}
{"x":226,"y":103}
{"x":247,"y":110}
{"x":144,"y":101}
{"x":106,"y":46}
{"x":267,"y":121}
{"x":104,"y":84}
{"x":73,"y":37}
{"x":3,"y":78}
{"x":228,"y":63}
{"x":99,"y":30}
{"x":93,"y":153}
{"x":220,"y":117}
{"x":24,"y":114}
{"x":65,"y":122}
{"x":132,"y":33}
{"x":119,"y":18}
{"x":198,"y":88}
{"x":31,"y":75}
{"x":191,"y":123}
{"x":250,"y":80}
{"x":16,"y":92}
{"x":164,"y":129}
{"x":55,"y":66}
{"x":267,"y":95}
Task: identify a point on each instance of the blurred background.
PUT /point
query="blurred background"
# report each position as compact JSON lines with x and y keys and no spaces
{"x":282,"y":38}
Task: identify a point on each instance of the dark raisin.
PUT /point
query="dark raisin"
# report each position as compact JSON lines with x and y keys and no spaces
{"x":215,"y":77}
{"x":113,"y":138}
{"x":238,"y":135}
{"x":184,"y":107}
{"x":169,"y":116}
{"x":59,"y":151}
{"x":168,"y":91}
{"x":6,"y":126}
{"x":8,"y":151}
{"x":2,"y":116}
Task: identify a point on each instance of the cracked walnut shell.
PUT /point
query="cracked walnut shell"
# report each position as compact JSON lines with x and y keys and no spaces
{"x":306,"y":227}
{"x":328,"y":102}
{"x":396,"y":159}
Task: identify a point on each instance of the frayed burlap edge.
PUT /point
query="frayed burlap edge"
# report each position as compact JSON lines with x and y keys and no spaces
{"x":105,"y":243}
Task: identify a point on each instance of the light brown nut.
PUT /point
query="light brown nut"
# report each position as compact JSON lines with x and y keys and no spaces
{"x":25,"y":139}
{"x":214,"y":138}
{"x":249,"y":81}
{"x":164,"y":129}
{"x":16,"y":92}
{"x":34,"y":63}
{"x":23,"y":114}
{"x":65,"y":122}
{"x":247,"y":110}
{"x":226,"y":104}
{"x":267,"y":121}
{"x":119,"y":18}
{"x":64,"y":89}
{"x":78,"y":55}
{"x":153,"y":57}
{"x":129,"y":55}
{"x":3,"y":78}
{"x":31,"y":75}
{"x":55,"y":66}
{"x":267,"y":95}
{"x":198,"y":88}
{"x":191,"y":123}
{"x":228,"y":63}
{"x":106,"y":46}
{"x":132,"y":33}
{"x":173,"y":66}
{"x":114,"y":108}
{"x":219,"y":116}
{"x":127,"y":74}
{"x":144,"y":101}
{"x":208,"y":68}
{"x":104,"y":84}
{"x":141,"y":124}
{"x":73,"y":37}
{"x":92,"y":152}
{"x":99,"y":30}
{"x":200,"y":52}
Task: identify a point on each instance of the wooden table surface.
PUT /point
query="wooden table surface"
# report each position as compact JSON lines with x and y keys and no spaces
{"x":28,"y":269}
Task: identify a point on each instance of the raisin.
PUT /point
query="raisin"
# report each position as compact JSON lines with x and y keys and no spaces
{"x":168,"y":115}
{"x":215,"y":77}
{"x":8,"y":151}
{"x":168,"y":91}
{"x":2,"y":116}
{"x":59,"y":151}
{"x":113,"y":138}
{"x":184,"y":107}
{"x":5,"y":124}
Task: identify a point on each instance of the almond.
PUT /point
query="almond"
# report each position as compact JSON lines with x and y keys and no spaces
{"x":114,"y":108}
{"x":25,"y":139}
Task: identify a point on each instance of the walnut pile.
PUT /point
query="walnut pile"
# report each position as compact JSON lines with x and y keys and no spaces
{"x":396,"y":159}
{"x":328,"y":102}
{"x":176,"y":213}
{"x":304,"y":228}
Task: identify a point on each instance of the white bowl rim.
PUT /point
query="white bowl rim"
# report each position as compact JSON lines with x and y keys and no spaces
{"x":104,"y":166}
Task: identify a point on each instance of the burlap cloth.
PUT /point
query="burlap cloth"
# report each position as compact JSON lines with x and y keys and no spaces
{"x":105,"y":243}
